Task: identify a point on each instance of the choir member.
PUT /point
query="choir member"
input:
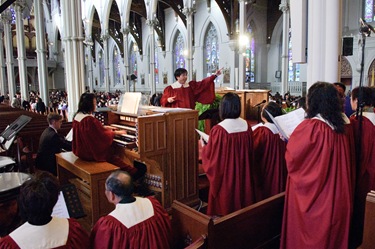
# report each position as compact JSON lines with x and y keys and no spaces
{"x":184,"y":94}
{"x":227,"y":160}
{"x":366,"y":169}
{"x":92,"y":141}
{"x":36,"y":200}
{"x":136,"y":222}
{"x":50,"y":143}
{"x":269,"y":154}
{"x":319,"y":191}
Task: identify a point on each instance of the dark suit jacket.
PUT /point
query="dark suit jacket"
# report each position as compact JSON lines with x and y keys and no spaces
{"x":50,"y":143}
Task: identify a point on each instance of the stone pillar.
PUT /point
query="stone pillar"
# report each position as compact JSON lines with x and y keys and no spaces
{"x":3,"y":79}
{"x":8,"y":42}
{"x":90,"y":74}
{"x":189,"y":12}
{"x":41,"y":51}
{"x":284,"y":7}
{"x":105,"y":38}
{"x":21,"y":49}
{"x":151,"y":24}
{"x":125,"y":32}
{"x":241,"y":57}
{"x":74,"y":59}
{"x":324,"y":41}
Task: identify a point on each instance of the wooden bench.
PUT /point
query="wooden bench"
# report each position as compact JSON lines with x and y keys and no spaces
{"x":256,"y":226}
{"x":369,"y":226}
{"x":89,"y":178}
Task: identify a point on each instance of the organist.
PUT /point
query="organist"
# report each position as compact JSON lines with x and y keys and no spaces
{"x":92,"y":141}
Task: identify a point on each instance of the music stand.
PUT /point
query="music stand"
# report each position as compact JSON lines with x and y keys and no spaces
{"x":8,"y":135}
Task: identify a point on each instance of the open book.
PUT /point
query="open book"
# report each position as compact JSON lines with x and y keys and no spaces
{"x":288,"y":122}
{"x":203,"y":135}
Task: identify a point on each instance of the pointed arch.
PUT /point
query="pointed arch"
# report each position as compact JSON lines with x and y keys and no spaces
{"x":211,"y":50}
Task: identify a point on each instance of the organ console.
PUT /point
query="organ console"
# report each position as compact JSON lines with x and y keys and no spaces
{"x":164,"y":139}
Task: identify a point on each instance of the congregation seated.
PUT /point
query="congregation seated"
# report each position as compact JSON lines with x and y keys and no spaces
{"x":136,"y":222}
{"x":36,"y":200}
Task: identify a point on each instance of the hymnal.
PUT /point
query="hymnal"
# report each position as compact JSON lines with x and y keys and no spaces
{"x":203,"y":135}
{"x":288,"y":122}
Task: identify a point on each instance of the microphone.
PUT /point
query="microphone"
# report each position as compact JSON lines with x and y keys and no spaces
{"x":261,"y":103}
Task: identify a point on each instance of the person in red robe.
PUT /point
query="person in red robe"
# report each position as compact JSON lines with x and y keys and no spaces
{"x":318,"y":196}
{"x":37,"y":198}
{"x":92,"y":141}
{"x":366,"y":168}
{"x":136,"y":222}
{"x":184,"y":94}
{"x":269,"y":154}
{"x":227,"y":160}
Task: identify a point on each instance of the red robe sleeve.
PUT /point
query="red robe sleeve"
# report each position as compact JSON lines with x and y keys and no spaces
{"x":318,"y":202}
{"x":168,"y":92}
{"x":204,"y":91}
{"x":91,"y":141}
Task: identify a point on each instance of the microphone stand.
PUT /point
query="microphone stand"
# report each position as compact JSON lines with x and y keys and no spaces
{"x":365,"y":31}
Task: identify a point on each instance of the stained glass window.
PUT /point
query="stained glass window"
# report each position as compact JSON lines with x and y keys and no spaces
{"x":156,"y":62}
{"x":211,"y":63}
{"x":250,"y":57}
{"x":369,"y":10}
{"x":293,"y":68}
{"x":116,"y":66}
{"x":178,"y":55}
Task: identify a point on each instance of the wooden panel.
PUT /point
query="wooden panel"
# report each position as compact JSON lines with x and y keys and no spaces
{"x":256,"y":226}
{"x":369,"y":226}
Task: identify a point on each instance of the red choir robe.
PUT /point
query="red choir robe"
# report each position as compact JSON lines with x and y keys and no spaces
{"x":141,"y":224}
{"x":318,"y":197}
{"x":92,"y":142}
{"x":227,"y":160}
{"x":58,"y":233}
{"x":189,"y":93}
{"x":365,"y":173}
{"x":269,"y":154}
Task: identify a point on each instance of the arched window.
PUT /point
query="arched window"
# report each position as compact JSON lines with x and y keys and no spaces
{"x":211,"y":63}
{"x":178,"y":52}
{"x":116,"y":66}
{"x":101,"y":68}
{"x":250,"y":57}
{"x":368,"y":10}
{"x":293,"y":69}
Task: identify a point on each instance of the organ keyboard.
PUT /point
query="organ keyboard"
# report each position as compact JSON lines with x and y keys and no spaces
{"x":166,"y":142}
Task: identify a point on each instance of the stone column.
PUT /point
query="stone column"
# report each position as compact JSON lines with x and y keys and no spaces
{"x":241,"y":57}
{"x":74,"y":59}
{"x":21,"y":49}
{"x":125,"y":32}
{"x":8,"y":42}
{"x":284,"y":7}
{"x":3,"y":79}
{"x":105,"y":38}
{"x":41,"y":51}
{"x":189,"y":12}
{"x":151,"y":24}
{"x":90,"y":74}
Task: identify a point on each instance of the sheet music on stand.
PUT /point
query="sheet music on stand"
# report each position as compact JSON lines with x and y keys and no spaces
{"x":68,"y":205}
{"x":130,"y":102}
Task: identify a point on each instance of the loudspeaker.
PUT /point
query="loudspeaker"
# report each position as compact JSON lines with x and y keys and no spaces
{"x":347,"y":46}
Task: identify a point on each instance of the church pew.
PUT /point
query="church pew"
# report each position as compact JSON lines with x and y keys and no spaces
{"x":369,"y":226}
{"x":256,"y":226}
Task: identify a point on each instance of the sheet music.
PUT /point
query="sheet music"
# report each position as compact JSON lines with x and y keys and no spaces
{"x":288,"y":122}
{"x":69,"y":136}
{"x":60,"y":209}
{"x":203,"y":135}
{"x":130,"y":102}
